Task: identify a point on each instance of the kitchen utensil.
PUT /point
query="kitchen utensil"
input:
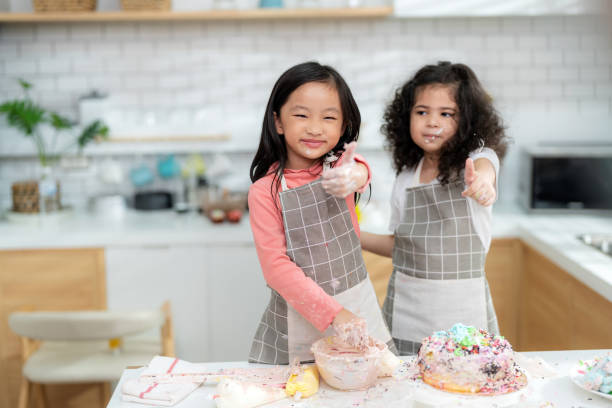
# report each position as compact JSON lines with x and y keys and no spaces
{"x":141,"y":176}
{"x":168,"y":167}
{"x":349,"y":369}
{"x":153,"y":200}
{"x":108,"y":206}
{"x":110,"y":172}
{"x":271,"y":3}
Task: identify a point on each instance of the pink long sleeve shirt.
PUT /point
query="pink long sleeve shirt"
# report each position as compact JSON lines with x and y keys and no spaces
{"x":280,"y":272}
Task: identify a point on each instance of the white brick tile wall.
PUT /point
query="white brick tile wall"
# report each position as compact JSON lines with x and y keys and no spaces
{"x":184,"y":30}
{"x":500,"y":42}
{"x":158,"y":30}
{"x":469,"y":41}
{"x":499,"y":74}
{"x":546,"y":91}
{"x":595,"y":73}
{"x":485,"y":25}
{"x":46,"y":32}
{"x":549,"y":25}
{"x":20,"y":67}
{"x":436,"y":41}
{"x":417,"y":26}
{"x":77,"y":83}
{"x":89,"y":65}
{"x":543,"y":58}
{"x":578,"y":57}
{"x":71,"y":48}
{"x":516,"y":58}
{"x":564,"y":41}
{"x":529,"y":74}
{"x":451,"y":26}
{"x":86,"y":31}
{"x":44,"y":82}
{"x":120,"y":31}
{"x":595,"y":41}
{"x":8,"y":50}
{"x":559,"y":65}
{"x":139,"y":81}
{"x":535,"y":41}
{"x":520,"y":25}
{"x":106,"y":49}
{"x":381,"y":27}
{"x":30,"y":49}
{"x":517,"y":91}
{"x":563,"y":73}
{"x":136,"y":48}
{"x":579,"y":89}
{"x":14,"y":32}
{"x":603,"y":89}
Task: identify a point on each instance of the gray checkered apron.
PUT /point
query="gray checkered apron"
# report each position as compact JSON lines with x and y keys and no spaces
{"x":321,"y":240}
{"x":438,"y":276}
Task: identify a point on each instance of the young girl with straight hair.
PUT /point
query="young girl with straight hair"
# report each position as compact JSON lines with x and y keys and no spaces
{"x":446,"y":140}
{"x":302,"y":214}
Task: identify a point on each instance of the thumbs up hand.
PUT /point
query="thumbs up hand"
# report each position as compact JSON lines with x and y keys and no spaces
{"x":347,"y":178}
{"x":477,"y":186}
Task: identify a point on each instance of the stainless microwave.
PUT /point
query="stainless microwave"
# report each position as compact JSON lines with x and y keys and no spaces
{"x":568,"y":179}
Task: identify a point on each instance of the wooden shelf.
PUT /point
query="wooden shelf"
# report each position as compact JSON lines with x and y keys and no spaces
{"x":209,"y":15}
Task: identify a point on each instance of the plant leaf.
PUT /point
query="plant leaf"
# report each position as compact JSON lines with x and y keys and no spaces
{"x":60,"y":122}
{"x":96,"y":129}
{"x":23,"y":115}
{"x":25,"y":84}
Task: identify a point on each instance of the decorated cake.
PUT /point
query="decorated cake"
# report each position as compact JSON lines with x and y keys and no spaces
{"x":471,"y":361}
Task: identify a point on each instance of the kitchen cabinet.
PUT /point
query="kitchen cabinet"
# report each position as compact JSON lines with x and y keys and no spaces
{"x":559,"y":312}
{"x":58,"y":279}
{"x":217,"y":293}
{"x":503,"y":268}
{"x":479,"y":8}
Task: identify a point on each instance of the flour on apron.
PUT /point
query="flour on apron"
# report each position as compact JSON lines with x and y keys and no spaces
{"x":438,"y":274}
{"x":321,"y":240}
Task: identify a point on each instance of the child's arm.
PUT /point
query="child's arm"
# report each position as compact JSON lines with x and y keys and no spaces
{"x":480,"y":181}
{"x":279,"y":271}
{"x":380,"y":244}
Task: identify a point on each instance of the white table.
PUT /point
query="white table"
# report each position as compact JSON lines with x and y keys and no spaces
{"x":560,"y":391}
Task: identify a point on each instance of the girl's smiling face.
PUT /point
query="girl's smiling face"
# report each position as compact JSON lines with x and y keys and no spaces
{"x":311,"y":120}
{"x":434,"y":117}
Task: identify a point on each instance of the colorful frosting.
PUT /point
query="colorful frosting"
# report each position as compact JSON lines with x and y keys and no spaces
{"x":598,"y":377}
{"x":466,"y":359}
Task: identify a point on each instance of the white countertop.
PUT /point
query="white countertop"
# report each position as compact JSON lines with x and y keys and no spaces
{"x":553,"y":235}
{"x":559,"y":390}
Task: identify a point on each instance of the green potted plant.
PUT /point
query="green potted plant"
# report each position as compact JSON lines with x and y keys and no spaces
{"x":29,"y":118}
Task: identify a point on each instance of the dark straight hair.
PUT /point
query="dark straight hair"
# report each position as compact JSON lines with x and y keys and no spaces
{"x":272,"y":147}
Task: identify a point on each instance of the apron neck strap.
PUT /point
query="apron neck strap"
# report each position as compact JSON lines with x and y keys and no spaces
{"x":284,"y":182}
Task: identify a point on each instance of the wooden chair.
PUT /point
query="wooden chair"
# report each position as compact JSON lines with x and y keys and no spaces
{"x":71,"y":347}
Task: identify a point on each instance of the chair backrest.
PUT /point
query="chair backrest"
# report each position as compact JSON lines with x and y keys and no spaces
{"x":84,"y":325}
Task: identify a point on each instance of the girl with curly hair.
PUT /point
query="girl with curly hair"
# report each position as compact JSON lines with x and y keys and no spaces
{"x":446,"y":140}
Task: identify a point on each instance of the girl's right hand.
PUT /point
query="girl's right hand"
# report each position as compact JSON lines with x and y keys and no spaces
{"x":347,"y":178}
{"x":351,"y":329}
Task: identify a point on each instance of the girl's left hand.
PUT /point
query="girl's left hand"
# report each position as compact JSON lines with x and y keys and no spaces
{"x":478,"y":187}
{"x":347,"y":178}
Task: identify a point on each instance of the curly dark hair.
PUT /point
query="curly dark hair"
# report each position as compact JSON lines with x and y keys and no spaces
{"x":479,"y":123}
